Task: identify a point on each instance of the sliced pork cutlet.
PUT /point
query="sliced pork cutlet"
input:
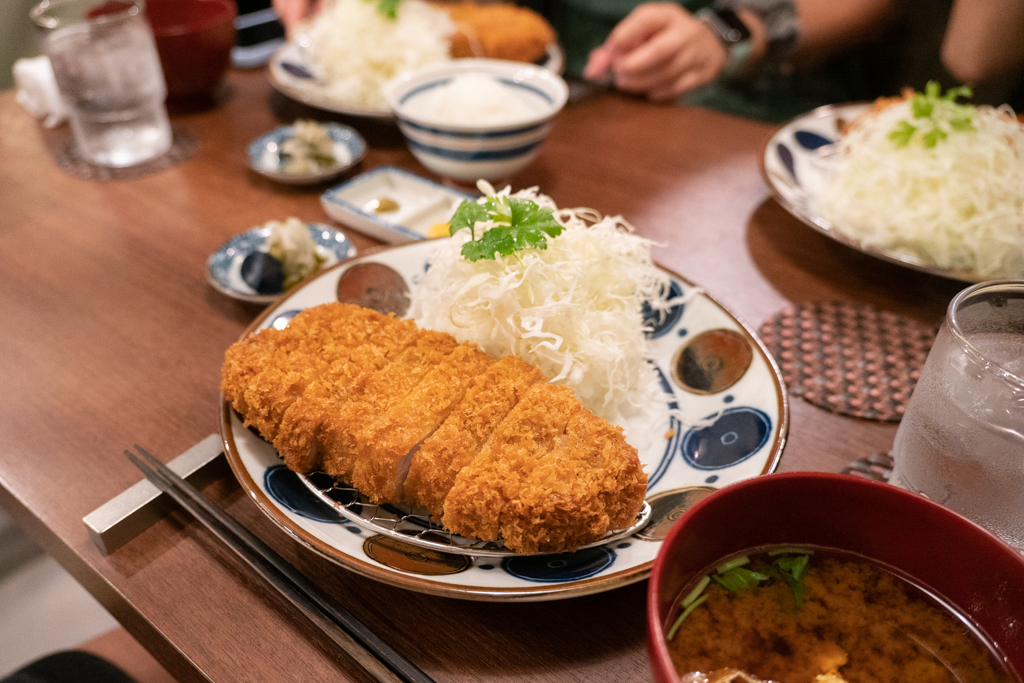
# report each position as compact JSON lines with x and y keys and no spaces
{"x":458,"y":440}
{"x":387,"y":445}
{"x":363,"y":343}
{"x":283,"y":370}
{"x":337,"y":439}
{"x":591,"y":483}
{"x":242,"y":361}
{"x":280,"y":364}
{"x":476,"y":505}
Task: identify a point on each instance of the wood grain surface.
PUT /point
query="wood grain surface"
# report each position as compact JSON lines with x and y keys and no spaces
{"x":110,"y":335}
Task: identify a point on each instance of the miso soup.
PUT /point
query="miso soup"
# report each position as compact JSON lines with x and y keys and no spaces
{"x":803,"y":615}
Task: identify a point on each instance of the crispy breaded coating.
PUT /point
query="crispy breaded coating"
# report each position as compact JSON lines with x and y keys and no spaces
{"x":371,"y":342}
{"x":266,"y":373}
{"x":459,"y":439}
{"x":386,"y":446}
{"x":486,"y":446}
{"x":498,"y":31}
{"x":483,"y":489}
{"x":589,"y":484}
{"x":338,"y":437}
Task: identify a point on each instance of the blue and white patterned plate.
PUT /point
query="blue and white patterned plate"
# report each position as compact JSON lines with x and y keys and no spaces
{"x":295,"y":73}
{"x":795,"y":164}
{"x":265,"y":158}
{"x":739,"y":390}
{"x":224,"y":267}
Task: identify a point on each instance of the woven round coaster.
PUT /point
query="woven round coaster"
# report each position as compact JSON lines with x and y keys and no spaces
{"x":848,"y":358}
{"x":70,"y":160}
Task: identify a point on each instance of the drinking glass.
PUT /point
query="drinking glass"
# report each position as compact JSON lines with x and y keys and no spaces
{"x":108,"y":73}
{"x":961,"y":441}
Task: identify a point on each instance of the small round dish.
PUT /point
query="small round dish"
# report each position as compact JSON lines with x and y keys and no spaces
{"x":265,"y":154}
{"x":224,"y":267}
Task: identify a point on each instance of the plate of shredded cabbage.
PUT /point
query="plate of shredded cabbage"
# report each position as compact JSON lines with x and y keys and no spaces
{"x":924,"y":180}
{"x":341,"y":59}
{"x":576,"y":294}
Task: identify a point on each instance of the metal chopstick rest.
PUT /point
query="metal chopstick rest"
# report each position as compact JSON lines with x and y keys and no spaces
{"x":373,"y":654}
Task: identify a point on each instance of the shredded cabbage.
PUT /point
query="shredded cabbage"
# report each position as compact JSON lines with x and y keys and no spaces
{"x":359,"y":49}
{"x":957,"y":205}
{"x":574,"y":309}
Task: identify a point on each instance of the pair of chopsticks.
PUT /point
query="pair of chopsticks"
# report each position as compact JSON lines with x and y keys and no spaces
{"x":369,"y":651}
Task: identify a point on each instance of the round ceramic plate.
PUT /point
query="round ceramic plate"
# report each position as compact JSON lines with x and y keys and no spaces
{"x":795,"y":164}
{"x":224,"y":267}
{"x":295,"y":73}
{"x":711,"y":366}
{"x":264,"y":154}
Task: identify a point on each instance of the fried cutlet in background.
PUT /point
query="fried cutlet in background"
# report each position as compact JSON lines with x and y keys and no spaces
{"x":498,"y":31}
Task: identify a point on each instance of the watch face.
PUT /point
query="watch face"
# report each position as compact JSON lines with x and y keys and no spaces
{"x":735,"y":30}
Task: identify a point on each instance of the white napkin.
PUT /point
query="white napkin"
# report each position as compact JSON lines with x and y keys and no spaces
{"x":37,"y":90}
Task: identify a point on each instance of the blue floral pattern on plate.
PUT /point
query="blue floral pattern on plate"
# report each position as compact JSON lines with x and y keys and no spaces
{"x":657,"y":435}
{"x":734,"y":436}
{"x":560,"y":568}
{"x":289,"y":491}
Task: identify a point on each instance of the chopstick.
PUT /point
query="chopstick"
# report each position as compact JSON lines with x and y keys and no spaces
{"x":369,"y":651}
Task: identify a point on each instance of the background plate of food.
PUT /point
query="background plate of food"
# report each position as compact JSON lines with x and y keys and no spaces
{"x":923,"y":181}
{"x":714,"y":413}
{"x":341,"y":59}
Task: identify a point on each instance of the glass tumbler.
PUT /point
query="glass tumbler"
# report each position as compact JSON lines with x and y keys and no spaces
{"x":108,"y":72}
{"x":961,"y":441}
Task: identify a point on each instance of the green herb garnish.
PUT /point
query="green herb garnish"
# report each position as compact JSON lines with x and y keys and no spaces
{"x":936,"y":115}
{"x":389,"y":8}
{"x":739,"y":579}
{"x":791,"y":569}
{"x":519,"y":224}
{"x":686,"y":612}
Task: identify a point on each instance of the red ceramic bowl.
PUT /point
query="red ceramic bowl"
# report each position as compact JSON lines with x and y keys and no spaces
{"x":194,"y":39}
{"x":955,"y":558}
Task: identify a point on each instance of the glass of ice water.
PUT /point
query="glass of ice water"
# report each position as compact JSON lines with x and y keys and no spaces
{"x":108,"y":72}
{"x":961,"y":441}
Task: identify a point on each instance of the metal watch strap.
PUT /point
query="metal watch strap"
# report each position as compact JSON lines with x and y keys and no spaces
{"x":738,"y":51}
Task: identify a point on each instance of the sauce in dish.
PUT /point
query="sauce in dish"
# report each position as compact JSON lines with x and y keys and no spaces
{"x":820,"y":616}
{"x":476,"y":99}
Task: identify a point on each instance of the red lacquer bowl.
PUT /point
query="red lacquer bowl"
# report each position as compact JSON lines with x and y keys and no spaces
{"x":194,"y":39}
{"x":941,"y":550}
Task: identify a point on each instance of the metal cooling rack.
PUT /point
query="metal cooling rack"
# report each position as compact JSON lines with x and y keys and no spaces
{"x":413,"y":526}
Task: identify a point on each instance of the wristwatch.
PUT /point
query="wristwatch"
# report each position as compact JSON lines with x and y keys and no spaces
{"x":732,"y":33}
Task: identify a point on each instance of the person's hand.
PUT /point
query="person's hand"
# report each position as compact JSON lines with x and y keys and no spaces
{"x":291,"y":12}
{"x":659,"y":50}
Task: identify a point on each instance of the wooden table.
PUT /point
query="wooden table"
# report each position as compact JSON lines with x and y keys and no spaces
{"x":110,"y":336}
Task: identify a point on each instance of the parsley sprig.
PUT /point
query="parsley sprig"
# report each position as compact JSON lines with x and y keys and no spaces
{"x":935,"y":115}
{"x":517,"y":224}
{"x":389,"y":8}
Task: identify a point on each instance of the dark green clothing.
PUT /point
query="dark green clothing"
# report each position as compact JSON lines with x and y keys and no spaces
{"x":583,"y":25}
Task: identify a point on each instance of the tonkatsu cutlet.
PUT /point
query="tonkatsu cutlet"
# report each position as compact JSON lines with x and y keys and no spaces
{"x":267,"y":373}
{"x":387,"y":445}
{"x":590,"y":483}
{"x":488,"y":447}
{"x":459,"y":439}
{"x":484,"y":488}
{"x":372,"y":398}
{"x":372,"y":343}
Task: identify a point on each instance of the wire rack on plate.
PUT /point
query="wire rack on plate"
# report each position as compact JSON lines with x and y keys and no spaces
{"x":413,"y":526}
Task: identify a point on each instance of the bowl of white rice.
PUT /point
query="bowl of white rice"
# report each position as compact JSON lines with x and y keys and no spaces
{"x":476,"y":118}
